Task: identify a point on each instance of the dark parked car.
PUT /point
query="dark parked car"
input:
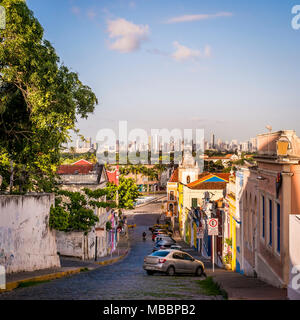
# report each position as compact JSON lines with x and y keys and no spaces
{"x":161,"y":237}
{"x":163,"y":244}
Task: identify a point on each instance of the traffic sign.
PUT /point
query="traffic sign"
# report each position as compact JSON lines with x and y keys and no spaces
{"x":213,"y":227}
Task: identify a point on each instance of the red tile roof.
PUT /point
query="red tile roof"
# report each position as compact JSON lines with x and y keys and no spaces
{"x":81,"y":162}
{"x":202,"y":184}
{"x":75,"y":169}
{"x":209,"y":186}
{"x":112,"y":177}
{"x":174,"y":177}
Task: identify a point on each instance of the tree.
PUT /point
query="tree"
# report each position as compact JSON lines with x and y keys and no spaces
{"x":74,"y":211}
{"x":127,"y":191}
{"x":40,"y":102}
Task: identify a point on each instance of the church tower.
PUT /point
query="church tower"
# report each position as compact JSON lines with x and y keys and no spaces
{"x":188,"y":170}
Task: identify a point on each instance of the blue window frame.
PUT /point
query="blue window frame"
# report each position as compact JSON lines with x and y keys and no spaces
{"x":270,"y":222}
{"x":263,"y":216}
{"x":278,"y":227}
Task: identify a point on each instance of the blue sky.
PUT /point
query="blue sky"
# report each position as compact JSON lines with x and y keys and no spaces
{"x":228,"y":66}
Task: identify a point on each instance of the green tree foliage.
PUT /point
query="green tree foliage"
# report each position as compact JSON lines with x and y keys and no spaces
{"x":152,"y":173}
{"x":40,"y":102}
{"x":127,"y":191}
{"x":69,"y":158}
{"x":74,"y":211}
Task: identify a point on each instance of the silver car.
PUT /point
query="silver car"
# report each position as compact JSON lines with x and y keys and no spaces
{"x":172,"y":262}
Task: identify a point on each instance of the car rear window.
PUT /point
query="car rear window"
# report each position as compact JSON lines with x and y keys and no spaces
{"x":159,"y":254}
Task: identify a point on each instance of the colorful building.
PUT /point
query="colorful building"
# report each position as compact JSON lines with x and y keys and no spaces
{"x":187,"y":172}
{"x":233,"y":248}
{"x":271,"y":205}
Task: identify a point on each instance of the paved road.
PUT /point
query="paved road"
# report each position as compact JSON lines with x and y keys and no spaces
{"x":123,"y":280}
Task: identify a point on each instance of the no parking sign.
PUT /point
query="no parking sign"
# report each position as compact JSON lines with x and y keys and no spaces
{"x":213,"y":229}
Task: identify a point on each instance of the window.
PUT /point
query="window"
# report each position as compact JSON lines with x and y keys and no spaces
{"x":172,"y":195}
{"x":188,"y":180}
{"x":278,"y":227}
{"x":160,"y":254}
{"x":171,"y":208}
{"x":177,"y":256}
{"x":187,"y":257}
{"x":263,"y":216}
{"x":270,"y":222}
{"x":194,"y":202}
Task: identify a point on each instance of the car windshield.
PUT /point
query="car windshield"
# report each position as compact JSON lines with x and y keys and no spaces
{"x":159,"y":254}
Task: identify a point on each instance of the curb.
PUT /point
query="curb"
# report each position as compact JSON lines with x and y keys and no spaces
{"x":114,"y":260}
{"x":52,"y":276}
{"x":13,"y":285}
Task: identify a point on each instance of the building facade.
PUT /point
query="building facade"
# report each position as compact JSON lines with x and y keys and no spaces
{"x":270,"y":204}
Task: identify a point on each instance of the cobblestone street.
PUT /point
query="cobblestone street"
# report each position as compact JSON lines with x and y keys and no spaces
{"x":123,"y":280}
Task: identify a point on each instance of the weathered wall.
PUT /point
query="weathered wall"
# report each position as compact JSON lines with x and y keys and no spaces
{"x":26,"y":241}
{"x":70,"y":244}
{"x":80,"y":179}
{"x":76,"y":244}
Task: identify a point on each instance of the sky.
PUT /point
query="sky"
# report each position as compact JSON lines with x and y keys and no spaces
{"x":230,"y":67}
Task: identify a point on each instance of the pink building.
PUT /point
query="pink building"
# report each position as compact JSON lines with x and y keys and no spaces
{"x":271,"y":201}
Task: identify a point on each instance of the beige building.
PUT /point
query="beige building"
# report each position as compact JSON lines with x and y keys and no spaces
{"x":270,"y":203}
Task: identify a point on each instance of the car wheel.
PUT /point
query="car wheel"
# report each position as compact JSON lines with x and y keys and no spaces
{"x":150,"y":273}
{"x":171,"y":271}
{"x":199,"y":272}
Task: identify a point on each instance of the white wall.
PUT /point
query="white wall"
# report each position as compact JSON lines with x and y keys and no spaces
{"x":76,"y":244}
{"x":70,"y":244}
{"x":26,"y":241}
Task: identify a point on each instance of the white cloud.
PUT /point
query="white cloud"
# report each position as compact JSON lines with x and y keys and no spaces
{"x":183,"y":53}
{"x":128,"y":36}
{"x":197,"y":17}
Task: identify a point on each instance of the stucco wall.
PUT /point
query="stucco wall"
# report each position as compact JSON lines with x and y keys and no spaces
{"x":80,"y":178}
{"x":76,"y":244}
{"x":26,"y":241}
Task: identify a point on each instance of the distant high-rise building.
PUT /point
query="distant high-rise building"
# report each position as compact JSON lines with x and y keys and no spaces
{"x":212,"y":141}
{"x":253,"y":144}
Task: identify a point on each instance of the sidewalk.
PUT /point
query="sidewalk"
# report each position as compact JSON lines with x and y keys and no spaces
{"x":237,"y":286}
{"x":69,"y":266}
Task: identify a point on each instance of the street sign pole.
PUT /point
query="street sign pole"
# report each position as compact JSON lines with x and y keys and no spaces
{"x":213,"y":231}
{"x":213,"y":253}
